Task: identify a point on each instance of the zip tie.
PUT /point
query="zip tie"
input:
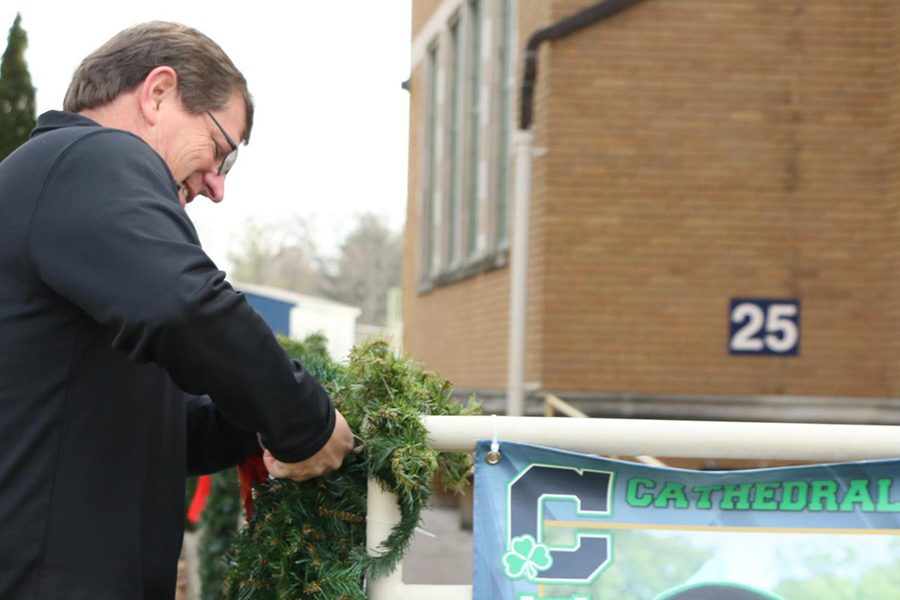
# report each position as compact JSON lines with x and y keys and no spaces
{"x":495,"y":444}
{"x":493,"y":457}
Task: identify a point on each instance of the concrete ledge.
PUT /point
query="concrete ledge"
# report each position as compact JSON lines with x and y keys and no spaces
{"x":788,"y":409}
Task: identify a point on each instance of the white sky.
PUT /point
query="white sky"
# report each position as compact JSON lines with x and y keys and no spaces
{"x":330,"y":132}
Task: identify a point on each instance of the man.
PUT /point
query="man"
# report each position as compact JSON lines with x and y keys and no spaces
{"x":110,"y":312}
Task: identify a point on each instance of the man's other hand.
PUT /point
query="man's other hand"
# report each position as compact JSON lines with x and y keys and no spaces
{"x":328,"y":458}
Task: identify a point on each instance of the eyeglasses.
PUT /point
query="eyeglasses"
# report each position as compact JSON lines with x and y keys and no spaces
{"x":231,"y":157}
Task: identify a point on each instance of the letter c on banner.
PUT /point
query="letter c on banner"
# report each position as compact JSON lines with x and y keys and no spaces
{"x":591,"y":491}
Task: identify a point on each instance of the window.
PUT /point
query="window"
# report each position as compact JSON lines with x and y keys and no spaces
{"x":473,"y":83}
{"x":431,"y":193}
{"x":504,"y":95}
{"x":454,"y":150}
{"x":466,"y":172}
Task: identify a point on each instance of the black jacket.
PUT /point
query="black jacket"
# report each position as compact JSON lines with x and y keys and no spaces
{"x":110,"y":312}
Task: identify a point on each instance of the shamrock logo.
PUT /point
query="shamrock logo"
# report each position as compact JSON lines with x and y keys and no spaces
{"x":525,"y":558}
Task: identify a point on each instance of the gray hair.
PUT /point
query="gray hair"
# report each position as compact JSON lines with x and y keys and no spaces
{"x":206,"y":76}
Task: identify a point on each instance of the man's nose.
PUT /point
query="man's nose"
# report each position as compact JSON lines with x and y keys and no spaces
{"x":214,"y":185}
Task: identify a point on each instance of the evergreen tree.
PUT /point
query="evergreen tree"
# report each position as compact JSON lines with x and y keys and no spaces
{"x":17,"y":111}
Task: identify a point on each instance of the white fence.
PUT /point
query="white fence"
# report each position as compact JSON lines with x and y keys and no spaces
{"x":627,"y":437}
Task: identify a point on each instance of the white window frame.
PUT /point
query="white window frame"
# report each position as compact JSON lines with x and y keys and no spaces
{"x":468,"y":120}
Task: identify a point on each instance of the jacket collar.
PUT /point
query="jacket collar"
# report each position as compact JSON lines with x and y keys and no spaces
{"x":57,"y":119}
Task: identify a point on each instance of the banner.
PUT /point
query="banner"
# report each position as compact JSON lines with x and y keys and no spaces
{"x":564,"y":526}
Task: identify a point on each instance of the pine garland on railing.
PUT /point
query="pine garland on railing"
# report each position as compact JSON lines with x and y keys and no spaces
{"x":307,"y":540}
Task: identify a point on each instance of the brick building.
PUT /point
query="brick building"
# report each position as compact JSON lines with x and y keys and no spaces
{"x":686,"y":153}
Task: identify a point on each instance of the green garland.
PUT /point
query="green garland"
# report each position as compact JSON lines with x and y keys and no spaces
{"x":307,"y":540}
{"x":218,"y":525}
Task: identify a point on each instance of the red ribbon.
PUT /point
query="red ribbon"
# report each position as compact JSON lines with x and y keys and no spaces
{"x":198,"y":502}
{"x":252,"y":470}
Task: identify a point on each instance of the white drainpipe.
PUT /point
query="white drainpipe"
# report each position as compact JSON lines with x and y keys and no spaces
{"x":518,"y":284}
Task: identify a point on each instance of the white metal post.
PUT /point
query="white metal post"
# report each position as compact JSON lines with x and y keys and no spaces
{"x":518,"y":277}
{"x":383,"y":513}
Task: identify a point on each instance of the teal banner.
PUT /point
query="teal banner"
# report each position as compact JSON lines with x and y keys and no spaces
{"x":564,"y":526}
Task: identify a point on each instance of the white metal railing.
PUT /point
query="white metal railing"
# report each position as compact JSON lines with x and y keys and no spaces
{"x":553,"y":404}
{"x":630,"y":437}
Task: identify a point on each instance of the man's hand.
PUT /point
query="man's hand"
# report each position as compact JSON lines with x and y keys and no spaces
{"x":328,"y":458}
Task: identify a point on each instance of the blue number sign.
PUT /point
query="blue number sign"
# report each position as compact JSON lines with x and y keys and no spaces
{"x":764,"y":326}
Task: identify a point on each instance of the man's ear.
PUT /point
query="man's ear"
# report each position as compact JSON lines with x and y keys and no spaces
{"x":158,"y":87}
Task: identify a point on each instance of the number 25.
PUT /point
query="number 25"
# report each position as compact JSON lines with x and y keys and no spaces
{"x":781,"y":336}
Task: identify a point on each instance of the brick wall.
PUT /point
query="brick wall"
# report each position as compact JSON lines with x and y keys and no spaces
{"x":702,"y":151}
{"x":695,"y":151}
{"x":892,"y":205}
